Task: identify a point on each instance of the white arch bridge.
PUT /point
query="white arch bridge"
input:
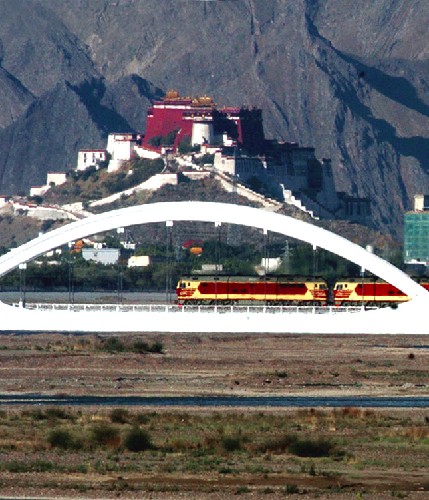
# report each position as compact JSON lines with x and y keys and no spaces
{"x":407,"y":318}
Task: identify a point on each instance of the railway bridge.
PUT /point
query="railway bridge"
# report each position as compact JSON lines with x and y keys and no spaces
{"x":405,"y":319}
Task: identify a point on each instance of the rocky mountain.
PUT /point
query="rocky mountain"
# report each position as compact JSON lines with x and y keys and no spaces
{"x":349,"y":78}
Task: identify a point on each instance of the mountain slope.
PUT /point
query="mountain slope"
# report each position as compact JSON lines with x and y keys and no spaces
{"x":349,"y":78}
{"x":62,"y":121}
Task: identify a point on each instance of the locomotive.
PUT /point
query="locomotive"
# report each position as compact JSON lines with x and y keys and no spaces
{"x":270,"y":290}
{"x":288,"y":290}
{"x":369,"y":292}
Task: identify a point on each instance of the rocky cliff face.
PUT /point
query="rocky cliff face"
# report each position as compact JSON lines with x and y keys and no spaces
{"x":349,"y":78}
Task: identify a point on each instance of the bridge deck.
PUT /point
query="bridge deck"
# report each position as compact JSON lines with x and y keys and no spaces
{"x":177,"y":309}
{"x":163,"y":318}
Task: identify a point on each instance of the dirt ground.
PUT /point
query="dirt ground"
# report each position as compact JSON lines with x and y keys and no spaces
{"x":220,"y":364}
{"x":215,"y":364}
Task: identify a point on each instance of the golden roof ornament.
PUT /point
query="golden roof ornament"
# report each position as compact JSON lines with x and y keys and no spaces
{"x":172,"y":95}
{"x":206,"y":100}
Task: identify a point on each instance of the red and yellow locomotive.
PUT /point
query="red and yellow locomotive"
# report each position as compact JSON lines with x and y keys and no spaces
{"x":270,"y":290}
{"x":369,"y":292}
{"x":352,"y":292}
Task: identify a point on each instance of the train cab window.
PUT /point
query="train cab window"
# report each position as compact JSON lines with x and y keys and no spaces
{"x":182,"y":285}
{"x":322,"y":287}
{"x":339,"y":287}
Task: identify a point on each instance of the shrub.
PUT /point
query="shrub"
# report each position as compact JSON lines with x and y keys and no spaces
{"x":36,"y":414}
{"x":61,"y":438}
{"x":205,"y":159}
{"x":157,"y":347}
{"x":59,"y":413}
{"x":352,"y":412}
{"x":277,"y":445}
{"x":119,"y":416}
{"x":137,"y":440}
{"x":186,"y":147}
{"x":231,"y":443}
{"x":113,"y":344}
{"x":22,"y":467}
{"x":168,"y":139}
{"x":299,"y":447}
{"x":291,"y":489}
{"x":142,"y":347}
{"x":105,"y":435}
{"x":310,"y":447}
{"x":242,"y":489}
{"x":143,"y":418}
{"x":155,"y":140}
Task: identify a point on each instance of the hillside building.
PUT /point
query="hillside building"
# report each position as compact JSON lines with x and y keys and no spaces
{"x":105,"y":256}
{"x":90,"y":158}
{"x":4,"y":200}
{"x":139,"y":261}
{"x":56,"y":178}
{"x":52,"y":179}
{"x":197,"y":121}
{"x":416,"y":232}
{"x":182,"y":130}
{"x":293,"y":174}
{"x":353,"y":208}
{"x":121,"y":147}
{"x":421,"y":203}
{"x":38,"y":190}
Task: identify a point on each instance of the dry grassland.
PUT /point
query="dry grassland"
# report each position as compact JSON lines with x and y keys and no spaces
{"x":268,"y":453}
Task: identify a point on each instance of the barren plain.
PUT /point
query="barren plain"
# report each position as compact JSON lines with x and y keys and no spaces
{"x":85,"y":452}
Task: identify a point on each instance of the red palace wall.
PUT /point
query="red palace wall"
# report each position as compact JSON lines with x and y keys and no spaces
{"x":245,"y":126}
{"x":161,"y":121}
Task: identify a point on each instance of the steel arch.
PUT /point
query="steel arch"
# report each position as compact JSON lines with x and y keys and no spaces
{"x":213,"y":212}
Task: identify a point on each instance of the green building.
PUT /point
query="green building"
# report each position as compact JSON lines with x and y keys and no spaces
{"x":416,"y":237}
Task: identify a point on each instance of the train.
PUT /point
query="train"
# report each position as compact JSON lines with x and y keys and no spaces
{"x":288,"y":290}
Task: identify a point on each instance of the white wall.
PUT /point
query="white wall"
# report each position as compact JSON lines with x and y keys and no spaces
{"x":202,"y":133}
{"x":57,"y":178}
{"x":103,"y":255}
{"x":139,"y":261}
{"x":89,"y":158}
{"x":38,"y":190}
{"x":146,"y":153}
{"x":121,"y":148}
{"x":224,"y":164}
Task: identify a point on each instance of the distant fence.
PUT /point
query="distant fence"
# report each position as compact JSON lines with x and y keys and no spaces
{"x":178,"y":309}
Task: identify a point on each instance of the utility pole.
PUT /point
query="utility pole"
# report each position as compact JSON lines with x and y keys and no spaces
{"x":217,"y":258}
{"x":168,"y":225}
{"x":286,"y":258}
{"x":120,"y":230}
{"x":232,"y":233}
{"x":265,"y":266}
{"x":22,"y":284}
{"x":71,"y":284}
{"x":315,"y":267}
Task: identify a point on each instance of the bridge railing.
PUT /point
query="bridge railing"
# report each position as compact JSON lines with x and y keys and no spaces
{"x":177,"y":309}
